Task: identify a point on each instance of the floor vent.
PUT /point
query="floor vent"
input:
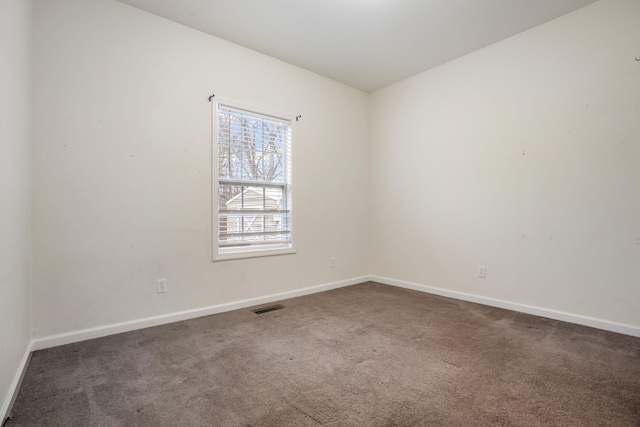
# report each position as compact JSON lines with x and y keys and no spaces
{"x":268,"y":309}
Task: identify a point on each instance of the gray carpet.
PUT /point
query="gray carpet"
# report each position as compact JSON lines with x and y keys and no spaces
{"x":365,"y":355}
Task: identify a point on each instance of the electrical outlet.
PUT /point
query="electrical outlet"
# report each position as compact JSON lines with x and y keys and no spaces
{"x":162,"y":286}
{"x":333,"y":262}
{"x":482,"y":271}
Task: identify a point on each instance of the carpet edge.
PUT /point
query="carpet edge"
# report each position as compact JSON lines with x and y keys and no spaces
{"x":12,"y":393}
{"x":606,"y":325}
{"x":131,"y":325}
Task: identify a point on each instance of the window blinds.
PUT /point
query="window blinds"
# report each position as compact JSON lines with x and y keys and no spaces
{"x":254,"y":180}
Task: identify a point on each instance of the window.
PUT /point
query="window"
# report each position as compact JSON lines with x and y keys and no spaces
{"x":253,"y":162}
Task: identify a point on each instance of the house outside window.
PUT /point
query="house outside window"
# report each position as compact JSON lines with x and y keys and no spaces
{"x":252,"y":158}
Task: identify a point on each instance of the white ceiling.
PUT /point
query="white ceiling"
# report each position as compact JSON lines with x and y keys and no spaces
{"x":367,"y":44}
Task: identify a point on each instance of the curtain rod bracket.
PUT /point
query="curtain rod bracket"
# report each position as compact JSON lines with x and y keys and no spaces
{"x":298,"y":118}
{"x":211,"y":97}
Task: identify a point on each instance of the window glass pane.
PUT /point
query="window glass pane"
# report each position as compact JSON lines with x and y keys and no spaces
{"x":250,"y":148}
{"x":228,"y":194}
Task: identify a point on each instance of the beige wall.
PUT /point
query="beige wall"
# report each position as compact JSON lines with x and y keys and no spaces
{"x":523,"y":157}
{"x":15,"y":170}
{"x":122,"y":168}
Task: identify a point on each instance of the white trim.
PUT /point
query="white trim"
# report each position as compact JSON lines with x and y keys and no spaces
{"x":12,"y":393}
{"x":102,"y":331}
{"x":592,"y":322}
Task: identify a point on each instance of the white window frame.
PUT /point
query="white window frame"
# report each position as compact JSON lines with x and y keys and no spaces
{"x":221,"y":254}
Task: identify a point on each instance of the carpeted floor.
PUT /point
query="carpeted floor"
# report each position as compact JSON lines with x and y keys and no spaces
{"x":365,"y":355}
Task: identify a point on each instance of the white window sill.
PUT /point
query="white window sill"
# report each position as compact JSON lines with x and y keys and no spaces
{"x":249,"y":253}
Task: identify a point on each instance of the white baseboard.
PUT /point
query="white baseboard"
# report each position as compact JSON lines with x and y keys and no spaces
{"x":15,"y":384}
{"x":606,"y":325}
{"x":102,"y":331}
